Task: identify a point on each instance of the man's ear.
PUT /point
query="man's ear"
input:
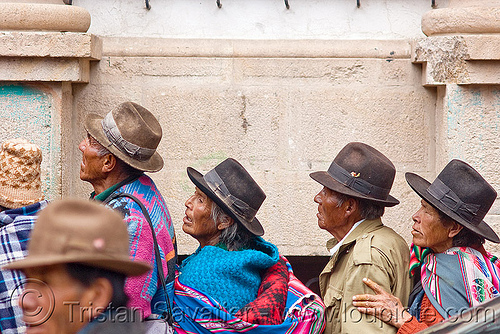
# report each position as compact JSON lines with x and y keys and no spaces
{"x":96,"y":297}
{"x":455,"y":228}
{"x":225,"y":224}
{"x":109,"y":162}
{"x":350,"y":205}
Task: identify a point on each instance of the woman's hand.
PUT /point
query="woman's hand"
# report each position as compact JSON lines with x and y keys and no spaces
{"x":383,"y":305}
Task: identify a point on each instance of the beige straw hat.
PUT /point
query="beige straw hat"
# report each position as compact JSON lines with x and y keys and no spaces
{"x":20,"y":183}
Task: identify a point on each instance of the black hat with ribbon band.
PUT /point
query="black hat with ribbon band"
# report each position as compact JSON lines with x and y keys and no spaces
{"x":234,"y":190}
{"x":461,"y":193}
{"x":360,"y":171}
{"x":131,"y":132}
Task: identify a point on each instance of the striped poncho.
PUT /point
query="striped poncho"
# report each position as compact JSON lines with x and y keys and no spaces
{"x":303,"y":311}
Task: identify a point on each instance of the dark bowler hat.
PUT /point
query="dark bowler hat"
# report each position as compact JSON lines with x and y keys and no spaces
{"x":131,"y":132}
{"x":360,"y":171}
{"x":234,"y":190}
{"x":461,"y":194}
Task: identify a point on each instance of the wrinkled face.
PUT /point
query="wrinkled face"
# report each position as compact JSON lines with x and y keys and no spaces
{"x":197,"y":222}
{"x":92,"y":163}
{"x":330,"y":215}
{"x":429,"y":230}
{"x":52,"y":288}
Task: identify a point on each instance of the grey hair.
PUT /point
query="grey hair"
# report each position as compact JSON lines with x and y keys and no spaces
{"x":233,"y":237}
{"x":367,"y":209}
{"x":102,"y":151}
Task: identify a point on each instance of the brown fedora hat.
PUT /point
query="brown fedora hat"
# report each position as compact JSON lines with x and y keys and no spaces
{"x":234,"y":190}
{"x":461,"y":193}
{"x":79,"y":231}
{"x":360,"y":171}
{"x":131,"y":132}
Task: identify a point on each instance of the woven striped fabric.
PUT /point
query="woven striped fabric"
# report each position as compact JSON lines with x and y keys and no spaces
{"x":144,"y":291}
{"x":417,"y":256}
{"x":195,"y":312}
{"x":460,"y":278}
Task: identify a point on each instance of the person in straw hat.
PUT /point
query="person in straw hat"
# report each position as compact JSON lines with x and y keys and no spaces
{"x":21,"y":199}
{"x":354,"y":196}
{"x":117,"y":151}
{"x":451,"y":268}
{"x":75,"y":270}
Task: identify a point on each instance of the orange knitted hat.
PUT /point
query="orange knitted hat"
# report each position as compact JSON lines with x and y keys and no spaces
{"x":20,"y":183}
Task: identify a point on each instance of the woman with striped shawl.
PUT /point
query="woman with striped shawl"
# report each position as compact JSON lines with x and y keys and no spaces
{"x":451,"y":268}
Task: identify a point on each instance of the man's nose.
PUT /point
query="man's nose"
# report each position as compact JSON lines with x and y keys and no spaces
{"x":83,"y":145}
{"x":188,"y":201}
{"x":414,"y":217}
{"x":28,"y":301}
{"x":317,"y":198}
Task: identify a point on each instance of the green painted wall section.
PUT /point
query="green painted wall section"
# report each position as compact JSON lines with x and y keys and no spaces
{"x":29,"y":112}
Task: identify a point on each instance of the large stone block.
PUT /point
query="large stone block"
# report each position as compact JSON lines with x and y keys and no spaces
{"x":43,"y":17}
{"x":43,"y":69}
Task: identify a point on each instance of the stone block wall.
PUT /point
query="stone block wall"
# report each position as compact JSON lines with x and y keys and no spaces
{"x":280,"y":108}
{"x":282,"y":96}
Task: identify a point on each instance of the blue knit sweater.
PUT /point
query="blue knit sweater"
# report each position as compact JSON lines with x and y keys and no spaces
{"x":230,"y":277}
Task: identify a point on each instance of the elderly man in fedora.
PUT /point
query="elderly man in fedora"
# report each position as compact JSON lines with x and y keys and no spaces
{"x":451,"y":269}
{"x":354,"y":196}
{"x":117,"y":151}
{"x":21,"y":199}
{"x":75,"y":270}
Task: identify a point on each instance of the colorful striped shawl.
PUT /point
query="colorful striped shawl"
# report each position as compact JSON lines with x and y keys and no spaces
{"x":460,"y":278}
{"x":195,"y":312}
{"x":144,"y":291}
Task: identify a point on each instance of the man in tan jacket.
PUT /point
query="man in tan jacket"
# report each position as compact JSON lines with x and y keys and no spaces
{"x":354,"y":196}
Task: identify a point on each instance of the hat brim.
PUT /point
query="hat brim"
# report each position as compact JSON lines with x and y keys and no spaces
{"x":93,"y":126}
{"x":120,"y":265}
{"x":420,"y":186}
{"x":328,"y":181}
{"x":197,"y":178}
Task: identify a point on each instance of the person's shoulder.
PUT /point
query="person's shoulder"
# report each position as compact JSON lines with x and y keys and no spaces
{"x":388,"y":237}
{"x":143,"y":182}
{"x":382,"y":239}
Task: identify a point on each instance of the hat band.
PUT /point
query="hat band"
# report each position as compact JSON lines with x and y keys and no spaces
{"x":449,"y":199}
{"x":114,"y":136}
{"x":241,"y":208}
{"x":352,"y":181}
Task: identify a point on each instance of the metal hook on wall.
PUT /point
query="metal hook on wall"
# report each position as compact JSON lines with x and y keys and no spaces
{"x":358,"y":3}
{"x":218,"y":3}
{"x":433,"y":4}
{"x":148,"y":5}
{"x":287,"y":5}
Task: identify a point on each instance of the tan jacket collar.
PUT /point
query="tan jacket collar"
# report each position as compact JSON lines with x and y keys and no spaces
{"x":367,"y":226}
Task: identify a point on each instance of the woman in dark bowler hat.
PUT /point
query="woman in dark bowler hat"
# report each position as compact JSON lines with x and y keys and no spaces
{"x":451,"y":268}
